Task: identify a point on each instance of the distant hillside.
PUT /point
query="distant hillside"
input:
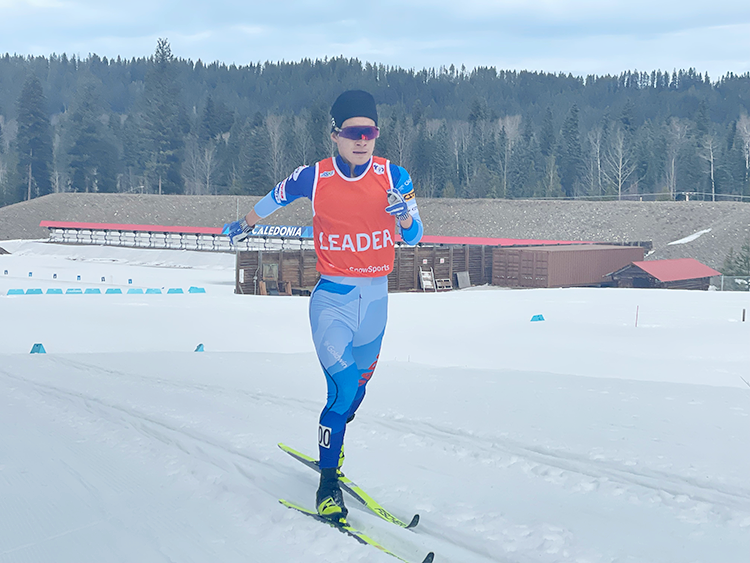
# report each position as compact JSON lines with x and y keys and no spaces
{"x":659,"y":222}
{"x":163,"y":124}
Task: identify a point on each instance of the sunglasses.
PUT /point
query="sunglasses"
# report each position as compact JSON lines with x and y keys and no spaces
{"x":357,"y":133}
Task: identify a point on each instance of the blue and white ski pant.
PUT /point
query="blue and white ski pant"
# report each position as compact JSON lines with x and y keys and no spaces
{"x":347,"y":317}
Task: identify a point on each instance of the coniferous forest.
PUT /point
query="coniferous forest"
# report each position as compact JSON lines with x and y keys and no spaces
{"x":161,"y":124}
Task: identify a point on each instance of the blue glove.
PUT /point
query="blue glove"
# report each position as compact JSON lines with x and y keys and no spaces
{"x":397,"y":205}
{"x":237,"y":230}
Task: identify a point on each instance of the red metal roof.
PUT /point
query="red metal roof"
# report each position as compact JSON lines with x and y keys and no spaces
{"x":429,"y":239}
{"x":677,"y":269}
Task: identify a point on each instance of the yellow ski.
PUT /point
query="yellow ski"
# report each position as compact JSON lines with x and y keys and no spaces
{"x":354,"y":490}
{"x":347,"y":529}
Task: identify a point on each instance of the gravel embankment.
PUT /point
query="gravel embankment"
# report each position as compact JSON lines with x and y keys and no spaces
{"x":659,"y":222}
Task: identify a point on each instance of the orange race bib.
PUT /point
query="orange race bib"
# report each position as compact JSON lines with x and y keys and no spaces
{"x":354,"y":236}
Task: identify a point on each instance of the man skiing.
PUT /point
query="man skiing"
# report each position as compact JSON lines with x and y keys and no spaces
{"x":355,"y":198}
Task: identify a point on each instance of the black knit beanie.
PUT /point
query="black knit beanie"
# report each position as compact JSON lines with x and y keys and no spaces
{"x":353,"y":103}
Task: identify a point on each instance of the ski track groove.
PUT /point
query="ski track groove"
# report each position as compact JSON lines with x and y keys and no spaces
{"x":217,"y":390}
{"x":144,"y":424}
{"x":191,"y":442}
{"x":734,"y":499}
{"x":487,"y":447}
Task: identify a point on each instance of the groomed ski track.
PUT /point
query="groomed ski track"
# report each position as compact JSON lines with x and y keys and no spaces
{"x":153,"y":463}
{"x":582,"y":438}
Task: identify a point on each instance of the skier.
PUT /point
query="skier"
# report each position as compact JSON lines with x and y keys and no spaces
{"x":355,"y":198}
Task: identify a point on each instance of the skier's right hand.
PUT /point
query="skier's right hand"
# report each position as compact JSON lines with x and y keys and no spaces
{"x":237,"y":230}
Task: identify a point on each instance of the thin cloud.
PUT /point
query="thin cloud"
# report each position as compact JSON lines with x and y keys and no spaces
{"x":578,"y":36}
{"x":249,"y":29}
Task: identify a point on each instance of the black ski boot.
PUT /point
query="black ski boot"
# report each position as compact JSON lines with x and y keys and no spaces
{"x":329,"y":500}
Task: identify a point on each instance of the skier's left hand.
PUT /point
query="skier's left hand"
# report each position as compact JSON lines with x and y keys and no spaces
{"x":397,"y":205}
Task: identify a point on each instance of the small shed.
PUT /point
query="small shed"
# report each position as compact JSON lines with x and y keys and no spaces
{"x":559,"y":266}
{"x":680,"y":273}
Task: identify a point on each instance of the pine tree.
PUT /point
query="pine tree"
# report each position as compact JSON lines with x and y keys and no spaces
{"x":319,"y":126}
{"x":523,"y":168}
{"x":627,"y":118}
{"x":162,"y":122}
{"x":209,"y":126}
{"x":485,"y":183}
{"x":93,"y":156}
{"x":443,"y":172}
{"x":547,"y":139}
{"x":3,"y":168}
{"x":216,"y":120}
{"x":417,"y":113}
{"x":738,"y":264}
{"x":33,"y":141}
{"x":254,"y":158}
{"x":228,"y":157}
{"x":570,"y":153}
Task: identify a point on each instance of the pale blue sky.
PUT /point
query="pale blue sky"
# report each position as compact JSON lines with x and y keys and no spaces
{"x":578,"y":36}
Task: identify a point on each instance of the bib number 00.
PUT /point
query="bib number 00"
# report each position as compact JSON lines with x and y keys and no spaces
{"x":324,"y":436}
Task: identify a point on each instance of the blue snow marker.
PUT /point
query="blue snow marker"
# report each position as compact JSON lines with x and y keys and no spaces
{"x":154,"y":291}
{"x":137,"y":290}
{"x":92,"y":291}
{"x":34,"y":291}
{"x":196,"y":290}
{"x":38,"y":348}
{"x":537,"y":318}
{"x":15,"y":292}
{"x":54,"y":291}
{"x":199,"y":348}
{"x":75,"y":291}
{"x":113,"y":290}
{"x":175,"y":290}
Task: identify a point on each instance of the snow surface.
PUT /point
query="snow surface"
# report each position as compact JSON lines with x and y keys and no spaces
{"x":580,"y":438}
{"x":689,"y":238}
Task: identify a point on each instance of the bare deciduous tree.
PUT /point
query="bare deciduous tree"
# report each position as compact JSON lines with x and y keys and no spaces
{"x":460,"y":135}
{"x":677,"y":133}
{"x":190,"y":167}
{"x":303,"y":142}
{"x":199,"y":167}
{"x":275,"y":127}
{"x":743,"y":130}
{"x":511,"y":124}
{"x":58,"y":184}
{"x":708,"y":153}
{"x":551,"y":180}
{"x":430,"y":179}
{"x":593,"y":171}
{"x":618,"y":164}
{"x":403,"y":133}
{"x":3,"y":179}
